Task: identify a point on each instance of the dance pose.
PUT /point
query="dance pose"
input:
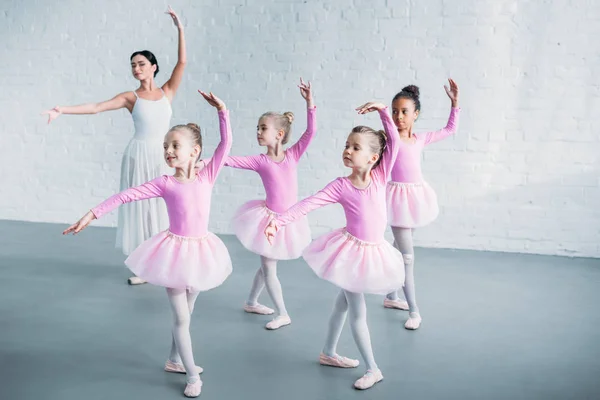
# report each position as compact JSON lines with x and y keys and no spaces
{"x":278,"y":171}
{"x":411,"y":202}
{"x":186,"y":259}
{"x":150,"y":108}
{"x":356,"y":258}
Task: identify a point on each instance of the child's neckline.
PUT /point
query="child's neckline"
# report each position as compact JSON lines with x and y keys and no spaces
{"x":413,"y":140}
{"x":357,"y":188}
{"x":277,"y":162}
{"x":186,"y":182}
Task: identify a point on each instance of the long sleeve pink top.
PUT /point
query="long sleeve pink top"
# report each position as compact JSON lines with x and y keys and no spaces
{"x":280,"y":179}
{"x":407,"y":168}
{"x":365,"y":209}
{"x":188,"y":204}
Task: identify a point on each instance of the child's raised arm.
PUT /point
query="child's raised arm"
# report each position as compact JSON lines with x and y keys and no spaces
{"x":224,"y":147}
{"x":311,"y":124}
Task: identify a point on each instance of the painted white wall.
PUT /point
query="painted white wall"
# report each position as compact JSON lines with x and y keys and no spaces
{"x":522,"y":174}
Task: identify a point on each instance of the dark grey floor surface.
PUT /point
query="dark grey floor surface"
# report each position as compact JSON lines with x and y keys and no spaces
{"x":495,"y":326}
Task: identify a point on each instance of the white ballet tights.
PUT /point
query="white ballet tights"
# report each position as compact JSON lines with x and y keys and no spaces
{"x":182,"y":305}
{"x":267,"y":276}
{"x":403,"y":241}
{"x":355,"y":302}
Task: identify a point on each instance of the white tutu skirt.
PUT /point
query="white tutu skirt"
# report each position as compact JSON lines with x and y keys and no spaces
{"x":138,"y":221}
{"x":249,"y":225}
{"x":356,"y":265}
{"x":180,"y":262}
{"x":411,"y":205}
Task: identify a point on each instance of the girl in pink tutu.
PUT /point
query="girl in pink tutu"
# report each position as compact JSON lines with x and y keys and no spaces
{"x":186,"y":259}
{"x":356,"y":258}
{"x":411,"y":202}
{"x":278,"y":171}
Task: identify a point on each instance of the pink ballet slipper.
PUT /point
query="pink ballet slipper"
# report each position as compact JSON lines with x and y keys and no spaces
{"x":193,"y":387}
{"x":368,"y":380}
{"x":258,"y":309}
{"x":278,"y":322}
{"x":337,"y":361}
{"x":396,"y":304}
{"x":178,"y":368}
{"x":136,"y":280}
{"x":414,"y":321}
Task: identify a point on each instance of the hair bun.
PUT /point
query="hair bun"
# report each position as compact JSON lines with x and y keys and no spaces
{"x":289,"y":115}
{"x":412,"y":89}
{"x":194,"y":127}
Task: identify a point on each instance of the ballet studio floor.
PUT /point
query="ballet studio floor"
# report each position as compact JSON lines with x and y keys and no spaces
{"x":496,"y":326}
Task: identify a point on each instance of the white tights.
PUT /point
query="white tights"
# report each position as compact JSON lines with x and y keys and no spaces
{"x":403,"y":241}
{"x":182,"y":305}
{"x":267,"y":276}
{"x":355,"y":303}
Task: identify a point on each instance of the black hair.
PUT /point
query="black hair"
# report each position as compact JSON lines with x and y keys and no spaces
{"x":409,"y":92}
{"x":148,"y":54}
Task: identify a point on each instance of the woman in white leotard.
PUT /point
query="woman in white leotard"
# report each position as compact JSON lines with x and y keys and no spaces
{"x":150,"y":108}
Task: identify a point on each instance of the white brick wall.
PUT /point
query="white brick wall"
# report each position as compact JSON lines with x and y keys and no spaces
{"x":521,"y":175}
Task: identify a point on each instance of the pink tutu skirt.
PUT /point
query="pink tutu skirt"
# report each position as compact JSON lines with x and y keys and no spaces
{"x":411,"y":205}
{"x":180,"y":262}
{"x":249,"y":225}
{"x":356,"y":265}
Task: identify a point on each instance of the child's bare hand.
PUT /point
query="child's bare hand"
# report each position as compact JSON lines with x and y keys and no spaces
{"x":452,"y":92}
{"x":213,"y":100}
{"x":370,"y":107}
{"x":81,"y":224}
{"x":271,"y":231}
{"x":306,"y":92}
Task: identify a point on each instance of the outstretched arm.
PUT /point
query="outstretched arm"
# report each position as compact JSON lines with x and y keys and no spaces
{"x":154,"y":188}
{"x":117,"y":102}
{"x":251,"y":163}
{"x":328,"y":195}
{"x":170,"y":87}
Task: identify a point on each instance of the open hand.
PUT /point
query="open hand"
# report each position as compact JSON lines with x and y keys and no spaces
{"x":271,"y":231}
{"x":173,"y":15}
{"x":81,"y":224}
{"x":452,"y":92}
{"x":213,"y":100}
{"x":306,"y":92}
{"x":52,"y":114}
{"x":370,"y":107}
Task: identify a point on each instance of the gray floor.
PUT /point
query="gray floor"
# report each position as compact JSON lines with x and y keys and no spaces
{"x":496,"y":326}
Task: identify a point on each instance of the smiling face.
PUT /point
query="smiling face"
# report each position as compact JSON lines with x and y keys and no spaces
{"x":404,"y":113}
{"x":267,"y":133}
{"x":142,"y":68}
{"x":179,"y":148}
{"x":358,"y":153}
